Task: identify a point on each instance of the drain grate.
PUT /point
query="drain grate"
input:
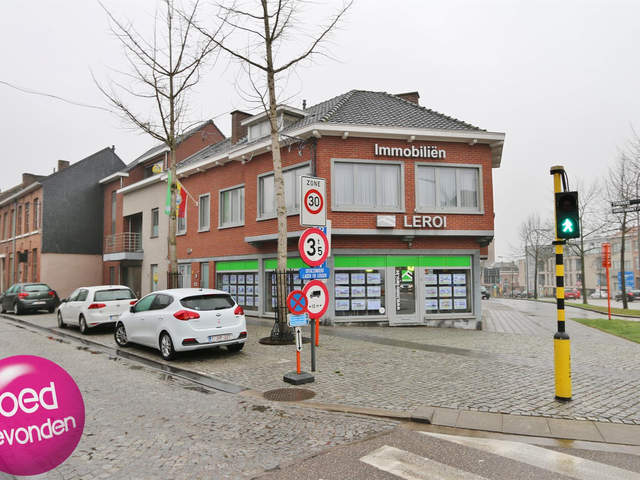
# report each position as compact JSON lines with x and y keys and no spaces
{"x":289,"y":394}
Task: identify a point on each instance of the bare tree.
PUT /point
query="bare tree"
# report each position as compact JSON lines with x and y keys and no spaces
{"x":270,"y":29}
{"x":536,"y":236}
{"x":592,"y":224}
{"x":161,"y":73}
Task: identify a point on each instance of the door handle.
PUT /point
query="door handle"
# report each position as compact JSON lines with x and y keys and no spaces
{"x":160,"y":318}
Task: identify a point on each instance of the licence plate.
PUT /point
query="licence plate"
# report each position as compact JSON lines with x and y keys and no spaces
{"x":219,"y":338}
{"x":113,"y":318}
{"x":38,"y":303}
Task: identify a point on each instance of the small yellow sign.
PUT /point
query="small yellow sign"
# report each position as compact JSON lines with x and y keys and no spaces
{"x":155,"y":278}
{"x":157,"y":168}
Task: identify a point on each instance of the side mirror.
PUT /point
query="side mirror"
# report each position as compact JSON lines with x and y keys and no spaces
{"x":131,"y":308}
{"x":63,"y":300}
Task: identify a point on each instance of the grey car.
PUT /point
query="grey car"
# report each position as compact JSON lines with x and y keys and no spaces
{"x":23,"y":297}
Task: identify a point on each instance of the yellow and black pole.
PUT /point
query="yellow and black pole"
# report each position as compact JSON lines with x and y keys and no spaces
{"x":561,"y":341}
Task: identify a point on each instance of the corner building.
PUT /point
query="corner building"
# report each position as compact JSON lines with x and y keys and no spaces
{"x":409,"y":196}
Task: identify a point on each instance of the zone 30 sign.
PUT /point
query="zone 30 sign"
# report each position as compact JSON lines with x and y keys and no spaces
{"x":313,"y":211}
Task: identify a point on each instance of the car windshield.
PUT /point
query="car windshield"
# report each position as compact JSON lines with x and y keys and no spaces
{"x":208,"y":302}
{"x":37,"y":288}
{"x":114,"y":294}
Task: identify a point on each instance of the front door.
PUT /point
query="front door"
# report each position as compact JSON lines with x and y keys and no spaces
{"x":404,"y":310}
{"x":185,"y":275}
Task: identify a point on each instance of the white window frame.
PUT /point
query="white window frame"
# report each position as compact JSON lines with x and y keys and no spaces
{"x":184,"y":219}
{"x":457,"y":166}
{"x":221,"y":224}
{"x":201,"y":227}
{"x":369,"y":208}
{"x":262,"y":176}
{"x":155,"y":214}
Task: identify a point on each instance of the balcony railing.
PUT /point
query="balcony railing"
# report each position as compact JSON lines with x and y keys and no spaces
{"x":123,"y":242}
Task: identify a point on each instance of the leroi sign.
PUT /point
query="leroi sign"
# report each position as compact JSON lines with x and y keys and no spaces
{"x":413,"y":221}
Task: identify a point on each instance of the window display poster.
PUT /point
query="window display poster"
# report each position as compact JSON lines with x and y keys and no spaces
{"x":225,"y":288}
{"x":445,"y":291}
{"x":249,"y":289}
{"x":256,"y":289}
{"x":459,"y":291}
{"x":274,"y":301}
{"x":240,"y":278}
{"x":430,"y":292}
{"x":225,"y":278}
{"x":274,"y":290}
{"x":373,"y":278}
{"x":234,"y":289}
{"x":249,"y":278}
{"x":249,"y":301}
{"x":373,"y":304}
{"x":342,"y":305}
{"x":241,"y":289}
{"x":296,"y":279}
{"x":460,"y":278}
{"x":431,"y":279}
{"x":446,"y":304}
{"x":234,"y":279}
{"x":357,"y":305}
{"x":444,"y":279}
{"x":460,"y":303}
{"x":240,"y":300}
{"x":342,"y":292}
{"x":342,"y":279}
{"x":357,"y":278}
{"x":431,"y":304}
{"x":357,"y":291}
{"x":373,"y":292}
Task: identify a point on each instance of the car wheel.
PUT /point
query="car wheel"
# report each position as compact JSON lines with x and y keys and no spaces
{"x":16,"y":309}
{"x":166,"y":347}
{"x":236,"y":347}
{"x":61,"y":323}
{"x":120,"y":336}
{"x":84,"y":329}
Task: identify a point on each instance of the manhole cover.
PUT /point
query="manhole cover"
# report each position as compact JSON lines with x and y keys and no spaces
{"x":289,"y":394}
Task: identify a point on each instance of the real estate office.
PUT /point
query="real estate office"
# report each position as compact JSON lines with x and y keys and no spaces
{"x":410,"y":197}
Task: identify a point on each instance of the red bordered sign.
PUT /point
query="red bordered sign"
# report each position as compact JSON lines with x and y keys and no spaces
{"x":317,"y":295}
{"x":313,"y":247}
{"x":297,"y":302}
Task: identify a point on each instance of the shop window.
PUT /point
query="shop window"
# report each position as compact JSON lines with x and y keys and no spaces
{"x":362,"y":186}
{"x":203,"y":218}
{"x":359,"y":293}
{"x":155,"y":222}
{"x":243,"y":286}
{"x":441,"y":188}
{"x":232,"y":207}
{"x":267,"y":192}
{"x":447,"y":291}
{"x":271,"y":297}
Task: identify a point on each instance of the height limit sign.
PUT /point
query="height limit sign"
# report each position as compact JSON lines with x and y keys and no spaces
{"x":313,"y":206}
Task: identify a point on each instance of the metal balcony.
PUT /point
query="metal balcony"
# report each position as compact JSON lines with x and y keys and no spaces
{"x":123,"y":246}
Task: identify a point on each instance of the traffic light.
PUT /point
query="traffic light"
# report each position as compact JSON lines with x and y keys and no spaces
{"x":567,"y":215}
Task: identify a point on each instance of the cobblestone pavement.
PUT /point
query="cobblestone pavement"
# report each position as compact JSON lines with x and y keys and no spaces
{"x":403,"y":368}
{"x":145,"y":425}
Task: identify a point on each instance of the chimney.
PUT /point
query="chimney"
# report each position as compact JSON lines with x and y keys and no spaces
{"x":413,"y":97}
{"x":237,"y":130}
{"x":62,"y":164}
{"x":28,"y":179}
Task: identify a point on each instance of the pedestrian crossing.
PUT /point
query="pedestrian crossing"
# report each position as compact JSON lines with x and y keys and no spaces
{"x":409,"y":466}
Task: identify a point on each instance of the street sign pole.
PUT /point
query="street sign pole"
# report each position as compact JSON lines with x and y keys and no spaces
{"x":313,"y":344}
{"x":561,"y":341}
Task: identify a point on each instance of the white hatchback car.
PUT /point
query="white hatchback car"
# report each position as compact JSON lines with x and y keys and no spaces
{"x":183,"y":319}
{"x":92,"y":306}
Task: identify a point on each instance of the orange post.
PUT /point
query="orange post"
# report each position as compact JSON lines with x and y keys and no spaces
{"x":298,"y":362}
{"x":609,"y":292}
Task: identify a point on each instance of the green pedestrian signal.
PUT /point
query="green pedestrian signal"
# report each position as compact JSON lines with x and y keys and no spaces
{"x":567,"y":215}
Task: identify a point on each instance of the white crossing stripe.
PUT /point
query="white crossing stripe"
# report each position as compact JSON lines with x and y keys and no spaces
{"x":549,"y":460}
{"x":410,"y":466}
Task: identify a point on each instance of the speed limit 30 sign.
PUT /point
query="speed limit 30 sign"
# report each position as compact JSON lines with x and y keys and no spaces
{"x":313,"y":247}
{"x":313,"y":207}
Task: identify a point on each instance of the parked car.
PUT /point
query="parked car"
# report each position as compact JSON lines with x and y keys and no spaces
{"x":600,"y":294}
{"x":572,"y":293}
{"x":515,"y":293}
{"x":89,"y":307}
{"x":485,"y":293}
{"x":22,"y":297}
{"x":631,"y":295}
{"x":183,"y":319}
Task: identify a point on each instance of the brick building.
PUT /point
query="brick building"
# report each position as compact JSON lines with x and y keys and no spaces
{"x":51,"y":226}
{"x":410,"y":196}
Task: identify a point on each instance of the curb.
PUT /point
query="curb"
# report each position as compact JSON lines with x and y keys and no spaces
{"x":580,"y":307}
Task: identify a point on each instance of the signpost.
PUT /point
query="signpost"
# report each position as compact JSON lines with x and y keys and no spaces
{"x":313,"y":212}
{"x":606,"y":263}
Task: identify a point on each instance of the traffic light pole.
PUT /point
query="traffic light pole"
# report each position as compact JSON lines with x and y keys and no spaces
{"x":561,"y":341}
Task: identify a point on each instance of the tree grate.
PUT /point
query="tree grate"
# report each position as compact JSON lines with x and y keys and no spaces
{"x":289,"y":394}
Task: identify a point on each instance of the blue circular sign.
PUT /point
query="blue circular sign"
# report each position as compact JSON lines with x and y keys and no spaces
{"x":297,"y":302}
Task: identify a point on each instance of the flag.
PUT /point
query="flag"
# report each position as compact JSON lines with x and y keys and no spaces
{"x":181,"y":201}
{"x":167,"y":207}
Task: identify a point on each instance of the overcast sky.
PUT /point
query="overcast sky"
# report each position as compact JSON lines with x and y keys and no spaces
{"x":561,"y":79}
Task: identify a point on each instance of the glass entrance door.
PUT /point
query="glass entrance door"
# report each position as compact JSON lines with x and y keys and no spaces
{"x":405,"y":297}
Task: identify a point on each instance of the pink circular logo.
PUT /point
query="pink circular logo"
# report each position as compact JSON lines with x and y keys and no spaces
{"x":41,"y":415}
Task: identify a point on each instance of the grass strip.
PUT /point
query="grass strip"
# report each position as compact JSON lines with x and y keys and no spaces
{"x":620,"y":328}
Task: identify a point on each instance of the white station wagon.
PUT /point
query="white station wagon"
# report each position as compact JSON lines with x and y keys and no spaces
{"x":89,"y":307}
{"x":183,"y":319}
